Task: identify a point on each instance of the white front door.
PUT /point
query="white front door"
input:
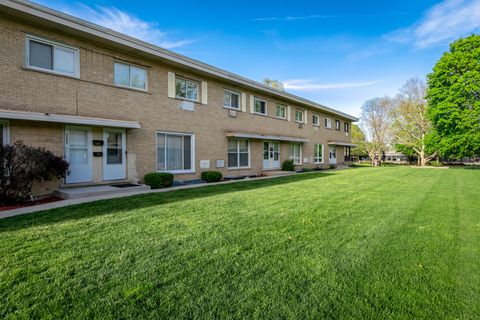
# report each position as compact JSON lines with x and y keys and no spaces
{"x":78,"y":152}
{"x":271,"y":155}
{"x":114,"y":154}
{"x":332,"y":154}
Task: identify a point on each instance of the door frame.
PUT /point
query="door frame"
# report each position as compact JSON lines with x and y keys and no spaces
{"x":330,"y":154}
{"x":124,"y":153}
{"x":271,"y":159}
{"x":89,"y":151}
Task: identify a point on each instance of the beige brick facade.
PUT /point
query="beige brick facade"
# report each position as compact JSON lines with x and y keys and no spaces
{"x":95,"y":95}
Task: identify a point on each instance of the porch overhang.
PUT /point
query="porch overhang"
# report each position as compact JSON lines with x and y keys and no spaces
{"x":67,"y":119}
{"x":264,"y":137}
{"x":341,"y":143}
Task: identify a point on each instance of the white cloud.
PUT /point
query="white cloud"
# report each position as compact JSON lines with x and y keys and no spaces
{"x":312,"y":85}
{"x":121,"y":21}
{"x":294,"y":18}
{"x":441,"y":24}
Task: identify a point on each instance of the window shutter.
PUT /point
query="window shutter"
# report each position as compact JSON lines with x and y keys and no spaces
{"x":252,"y":104}
{"x":171,"y":85}
{"x":244,"y":102}
{"x":204,"y":92}
{"x":288,"y":113}
{"x":306,"y":117}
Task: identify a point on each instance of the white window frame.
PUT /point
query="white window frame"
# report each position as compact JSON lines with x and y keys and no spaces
{"x":197,"y":85}
{"x":302,"y":113}
{"x":346,"y":127}
{"x":75,"y":51}
{"x":192,"y":150}
{"x":6,"y":131}
{"x":255,"y":99}
{"x":237,"y":140}
{"x":316,"y":160}
{"x":328,"y":123}
{"x":129,"y":65}
{"x":230,"y":92}
{"x":339,"y":128}
{"x":294,"y":158}
{"x":281,"y":106}
{"x":315,"y":116}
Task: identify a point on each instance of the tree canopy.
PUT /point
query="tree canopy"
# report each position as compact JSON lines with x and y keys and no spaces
{"x":454,"y":99}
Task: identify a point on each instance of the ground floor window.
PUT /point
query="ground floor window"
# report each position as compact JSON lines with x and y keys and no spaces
{"x":347,"y":154}
{"x":318,"y":153}
{"x":238,"y":153}
{"x":295,"y":153}
{"x":4,"y":133}
{"x":175,"y":152}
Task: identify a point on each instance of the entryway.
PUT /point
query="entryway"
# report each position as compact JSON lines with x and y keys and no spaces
{"x":78,"y":152}
{"x":332,"y":154}
{"x":114,"y":154}
{"x":271,"y":155}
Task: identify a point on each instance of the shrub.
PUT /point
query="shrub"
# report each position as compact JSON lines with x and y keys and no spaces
{"x":211,"y":176}
{"x":332,"y":166}
{"x":22,"y":166}
{"x":158,"y":180}
{"x":435,"y":163}
{"x":287,"y":165}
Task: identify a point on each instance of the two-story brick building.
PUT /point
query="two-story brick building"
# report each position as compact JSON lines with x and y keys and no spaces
{"x":117,"y":108}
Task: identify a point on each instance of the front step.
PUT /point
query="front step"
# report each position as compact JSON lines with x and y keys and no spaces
{"x":92,"y":191}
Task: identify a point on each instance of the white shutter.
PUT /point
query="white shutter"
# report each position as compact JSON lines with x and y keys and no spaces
{"x":288,"y":114}
{"x":306,"y":117}
{"x":252,"y":104}
{"x":204,"y":92}
{"x":244,"y":102}
{"x":171,"y":85}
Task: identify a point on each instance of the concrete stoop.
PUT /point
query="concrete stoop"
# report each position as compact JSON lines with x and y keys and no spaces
{"x":91,"y":191}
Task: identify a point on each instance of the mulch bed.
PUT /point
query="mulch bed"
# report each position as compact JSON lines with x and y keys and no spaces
{"x":30,"y":203}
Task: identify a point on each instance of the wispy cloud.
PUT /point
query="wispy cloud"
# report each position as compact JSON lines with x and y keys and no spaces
{"x":321,"y":16}
{"x":121,"y":21}
{"x":312,"y":85}
{"x":441,"y":24}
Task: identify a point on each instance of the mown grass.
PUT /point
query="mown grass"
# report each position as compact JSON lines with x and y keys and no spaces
{"x":362,"y":243}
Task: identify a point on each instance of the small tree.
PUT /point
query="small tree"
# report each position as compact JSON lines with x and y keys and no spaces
{"x":274,"y":84}
{"x":358,"y":138}
{"x":22,"y":166}
{"x":376,"y":124}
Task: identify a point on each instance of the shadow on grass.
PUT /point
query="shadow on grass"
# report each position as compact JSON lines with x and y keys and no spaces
{"x":105,"y":207}
{"x":466,"y":167}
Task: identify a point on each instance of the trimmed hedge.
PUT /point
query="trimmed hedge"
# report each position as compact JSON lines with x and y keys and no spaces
{"x":158,"y":180}
{"x":211,"y":176}
{"x":287,"y":165}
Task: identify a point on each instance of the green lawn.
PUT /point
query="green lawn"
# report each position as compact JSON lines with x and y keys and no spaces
{"x":391,"y":242}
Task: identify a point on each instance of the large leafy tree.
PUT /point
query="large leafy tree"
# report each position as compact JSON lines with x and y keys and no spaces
{"x":410,"y":123}
{"x":454,"y":99}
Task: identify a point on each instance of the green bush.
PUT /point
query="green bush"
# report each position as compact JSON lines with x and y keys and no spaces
{"x":211,"y":176}
{"x":287,"y":165}
{"x":332,"y":166}
{"x":158,"y":180}
{"x":435,"y":163}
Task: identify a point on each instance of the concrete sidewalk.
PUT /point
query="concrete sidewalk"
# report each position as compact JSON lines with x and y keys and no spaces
{"x":68,"y":202}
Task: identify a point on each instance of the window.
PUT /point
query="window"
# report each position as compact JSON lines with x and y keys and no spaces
{"x":186,"y":89}
{"x":347,"y":153}
{"x":328,"y":123}
{"x":260,"y":106}
{"x":281,"y":112}
{"x":337,"y":125}
{"x":298,"y":116}
{"x":4,"y":133}
{"x":318,"y":153}
{"x":345,"y":127}
{"x":130,"y":76}
{"x":295,"y":153}
{"x":238,"y":153}
{"x":315,"y":120}
{"x":53,"y":57}
{"x":231,"y":99}
{"x":175,"y":152}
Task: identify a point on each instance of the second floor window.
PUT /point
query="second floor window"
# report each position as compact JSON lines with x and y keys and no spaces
{"x":298,"y":116}
{"x":315,"y":120}
{"x":260,"y":106}
{"x":126,"y":75}
{"x":231,"y":99}
{"x":328,"y":123}
{"x":345,"y":127}
{"x":186,"y":89}
{"x":53,"y":57}
{"x":281,"y":112}
{"x":337,"y":125}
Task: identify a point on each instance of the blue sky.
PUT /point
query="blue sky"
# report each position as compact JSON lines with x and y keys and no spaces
{"x":338,"y":53}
